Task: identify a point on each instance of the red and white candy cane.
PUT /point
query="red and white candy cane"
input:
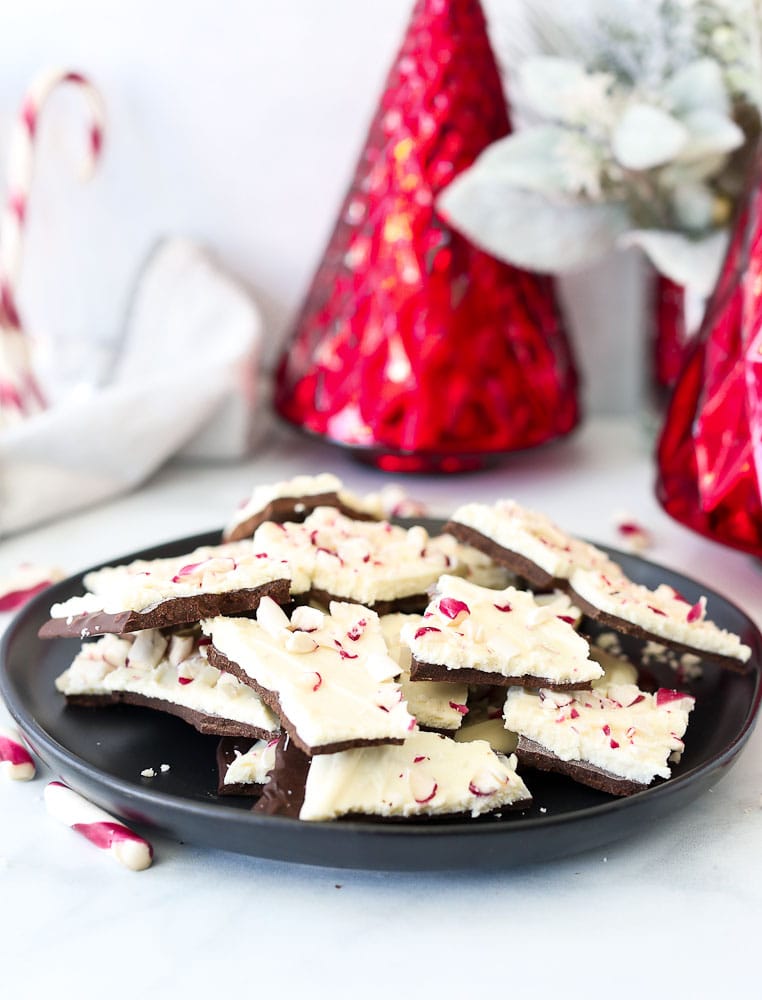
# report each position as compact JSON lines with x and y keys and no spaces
{"x":103,"y":830}
{"x":20,"y":394}
{"x":15,"y":760}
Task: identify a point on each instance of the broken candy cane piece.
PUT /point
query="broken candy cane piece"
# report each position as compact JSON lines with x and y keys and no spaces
{"x":101,"y":829}
{"x":15,"y":760}
{"x":636,"y":537}
{"x":24,"y":583}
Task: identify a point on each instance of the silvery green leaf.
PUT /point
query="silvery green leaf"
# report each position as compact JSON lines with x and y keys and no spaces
{"x":646,"y":137}
{"x":527,"y":229}
{"x":526,"y":159}
{"x":694,"y":206}
{"x":709,"y":134}
{"x":697,"y":86}
{"x":563,"y":90}
{"x":548,"y":159}
{"x":693,"y":263}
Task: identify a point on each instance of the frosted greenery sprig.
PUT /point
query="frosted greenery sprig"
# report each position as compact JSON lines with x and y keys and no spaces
{"x":642,"y":144}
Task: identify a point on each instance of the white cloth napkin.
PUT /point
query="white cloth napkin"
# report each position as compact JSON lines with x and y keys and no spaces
{"x":185,"y":378}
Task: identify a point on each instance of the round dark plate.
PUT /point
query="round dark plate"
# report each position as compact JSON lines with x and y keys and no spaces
{"x":101,"y":752}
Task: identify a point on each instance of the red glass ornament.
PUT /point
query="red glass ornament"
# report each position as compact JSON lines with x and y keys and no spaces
{"x":710,"y":456}
{"x":670,"y":333}
{"x":414,"y":348}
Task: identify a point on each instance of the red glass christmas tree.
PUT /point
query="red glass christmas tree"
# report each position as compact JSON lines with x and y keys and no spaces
{"x":413,"y":347}
{"x":710,"y":452}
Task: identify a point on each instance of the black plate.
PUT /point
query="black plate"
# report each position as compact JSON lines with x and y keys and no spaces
{"x":101,"y":752}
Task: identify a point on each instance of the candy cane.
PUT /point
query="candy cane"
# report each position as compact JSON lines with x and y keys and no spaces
{"x":100,"y":829}
{"x":15,"y":760}
{"x":20,"y":394}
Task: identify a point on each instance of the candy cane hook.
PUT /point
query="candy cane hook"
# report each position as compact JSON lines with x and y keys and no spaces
{"x":20,"y":394}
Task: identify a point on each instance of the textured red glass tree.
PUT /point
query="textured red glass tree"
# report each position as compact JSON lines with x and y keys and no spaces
{"x":413,"y":347}
{"x":710,"y":451}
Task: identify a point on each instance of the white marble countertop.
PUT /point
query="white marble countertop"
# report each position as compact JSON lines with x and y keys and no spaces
{"x":673,"y":908}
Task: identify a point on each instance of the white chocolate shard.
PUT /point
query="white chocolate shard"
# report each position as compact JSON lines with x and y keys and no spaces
{"x":286,"y":489}
{"x":252,"y":767}
{"x":504,"y":633}
{"x":428,"y":775}
{"x":616,"y":727}
{"x":142,"y":584}
{"x":332,"y":694}
{"x":534,"y":536}
{"x":109,"y":665}
{"x":662,"y":612}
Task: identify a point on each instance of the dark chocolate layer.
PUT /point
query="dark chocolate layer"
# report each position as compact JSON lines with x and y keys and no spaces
{"x":283,"y":795}
{"x":410,"y":604}
{"x":533,"y":754}
{"x":519,"y":564}
{"x":422,"y":671}
{"x":212,"y":725}
{"x":176,"y":611}
{"x":284,"y":509}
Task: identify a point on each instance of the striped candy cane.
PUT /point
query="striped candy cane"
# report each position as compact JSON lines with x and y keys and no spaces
{"x":20,"y":394}
{"x":98,"y":826}
{"x":15,"y":760}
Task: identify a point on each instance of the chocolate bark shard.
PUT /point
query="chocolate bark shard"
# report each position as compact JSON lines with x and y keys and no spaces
{"x":534,"y":755}
{"x":638,"y":632}
{"x":513,"y":561}
{"x":482,"y":636}
{"x":176,"y":611}
{"x":283,"y":795}
{"x":294,"y":509}
{"x":293,"y":786}
{"x":229,"y":750}
{"x":211,"y":725}
{"x":422,"y":671}
{"x":270,"y":698}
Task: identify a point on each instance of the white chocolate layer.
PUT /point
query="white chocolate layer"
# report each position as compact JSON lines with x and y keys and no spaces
{"x":362,"y":561}
{"x":435,"y":704}
{"x":254,"y":766}
{"x":428,"y":775}
{"x":334,"y":682}
{"x":175,"y":670}
{"x":534,"y":536}
{"x":503,"y":632}
{"x":390,"y":501}
{"x":140,"y":585}
{"x":660,"y":611}
{"x":616,"y":727}
{"x":299,"y":486}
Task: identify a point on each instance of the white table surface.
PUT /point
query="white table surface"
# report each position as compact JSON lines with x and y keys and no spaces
{"x":676,"y":908}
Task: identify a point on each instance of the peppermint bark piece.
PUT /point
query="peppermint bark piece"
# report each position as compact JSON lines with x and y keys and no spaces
{"x":660,"y":615}
{"x":170,"y":674}
{"x":499,"y":637}
{"x":377,"y":564}
{"x":429,"y":775}
{"x":615,"y":738}
{"x":244,"y":768}
{"x":527,"y":542}
{"x":161,"y":593}
{"x":437,"y":705}
{"x":329,"y":677}
{"x":292,"y":500}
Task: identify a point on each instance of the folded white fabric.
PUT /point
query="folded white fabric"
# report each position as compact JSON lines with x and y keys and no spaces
{"x":185,"y":379}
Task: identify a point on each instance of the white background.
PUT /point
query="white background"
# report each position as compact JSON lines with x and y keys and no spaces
{"x":237,"y":122}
